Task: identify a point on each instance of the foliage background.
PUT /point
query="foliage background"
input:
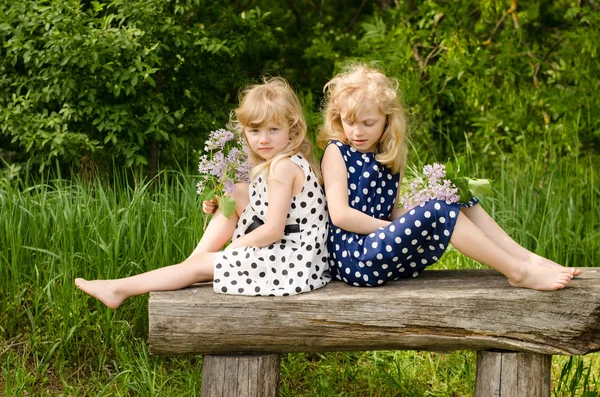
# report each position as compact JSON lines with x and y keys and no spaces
{"x":87,"y":87}
{"x":92,"y":83}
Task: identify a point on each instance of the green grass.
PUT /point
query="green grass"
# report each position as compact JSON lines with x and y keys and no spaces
{"x":54,"y":340}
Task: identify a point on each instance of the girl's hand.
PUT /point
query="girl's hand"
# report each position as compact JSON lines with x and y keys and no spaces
{"x":210,"y":206}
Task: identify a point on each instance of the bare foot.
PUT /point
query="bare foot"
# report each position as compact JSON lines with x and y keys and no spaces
{"x":542,"y":278}
{"x":103,"y":290}
{"x":541,"y":261}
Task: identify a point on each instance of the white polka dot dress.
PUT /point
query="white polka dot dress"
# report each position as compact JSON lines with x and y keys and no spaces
{"x":402,"y":249}
{"x":297,"y":263}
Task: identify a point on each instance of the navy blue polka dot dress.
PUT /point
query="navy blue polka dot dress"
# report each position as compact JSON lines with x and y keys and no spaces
{"x":406,"y":246}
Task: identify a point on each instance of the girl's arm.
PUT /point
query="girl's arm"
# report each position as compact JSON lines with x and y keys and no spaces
{"x":397,"y":212}
{"x":280,"y":186}
{"x":335,"y":178}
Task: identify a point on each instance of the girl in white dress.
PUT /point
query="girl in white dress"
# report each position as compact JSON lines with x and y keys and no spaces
{"x":280,"y":224}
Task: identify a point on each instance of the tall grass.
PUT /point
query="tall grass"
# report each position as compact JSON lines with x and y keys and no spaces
{"x":54,"y":340}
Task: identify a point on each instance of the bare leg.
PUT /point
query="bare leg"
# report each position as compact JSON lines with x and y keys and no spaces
{"x":492,"y":230}
{"x":220,"y":229}
{"x":113,"y":292}
{"x":197,"y":267}
{"x":470,"y":240}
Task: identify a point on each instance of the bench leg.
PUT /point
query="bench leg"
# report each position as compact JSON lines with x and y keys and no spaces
{"x":247,"y":376}
{"x":507,"y":374}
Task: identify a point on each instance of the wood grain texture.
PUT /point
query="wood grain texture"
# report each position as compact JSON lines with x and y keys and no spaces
{"x":240,"y":376}
{"x":439,"y":311}
{"x":508,"y":374}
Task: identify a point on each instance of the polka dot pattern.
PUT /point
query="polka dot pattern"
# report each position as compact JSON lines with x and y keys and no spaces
{"x":405,"y":247}
{"x":297,"y":263}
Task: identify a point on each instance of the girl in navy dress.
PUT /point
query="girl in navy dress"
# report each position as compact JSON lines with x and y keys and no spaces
{"x":372,"y":241}
{"x":280,"y":223}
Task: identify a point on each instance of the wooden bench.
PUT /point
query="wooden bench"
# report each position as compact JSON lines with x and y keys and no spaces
{"x":515,"y":331}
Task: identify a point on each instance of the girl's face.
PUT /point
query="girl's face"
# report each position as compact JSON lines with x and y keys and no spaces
{"x":365,"y":129}
{"x":269,"y":139}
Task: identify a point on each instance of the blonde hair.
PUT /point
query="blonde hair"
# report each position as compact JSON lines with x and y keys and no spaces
{"x":273,"y":100}
{"x":350,"y":91}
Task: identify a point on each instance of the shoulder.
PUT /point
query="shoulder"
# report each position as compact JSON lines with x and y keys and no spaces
{"x":333,"y":164}
{"x":334,"y":151}
{"x":285,"y":170}
{"x":339,"y":144}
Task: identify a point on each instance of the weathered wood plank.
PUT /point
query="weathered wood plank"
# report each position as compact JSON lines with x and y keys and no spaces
{"x":509,"y":374}
{"x":439,"y":311}
{"x":240,"y":376}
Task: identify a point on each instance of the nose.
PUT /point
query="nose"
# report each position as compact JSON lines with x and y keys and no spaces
{"x":263,"y":138}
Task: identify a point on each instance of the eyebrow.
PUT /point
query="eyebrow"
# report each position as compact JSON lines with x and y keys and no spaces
{"x":264,"y":125}
{"x":359,"y":121}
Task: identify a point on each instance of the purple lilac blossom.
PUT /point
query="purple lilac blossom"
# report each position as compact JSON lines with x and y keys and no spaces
{"x":200,"y":187}
{"x":218,"y":165}
{"x":223,"y":166}
{"x":229,"y":186}
{"x":239,"y":162}
{"x":242,"y":172}
{"x":203,"y":165}
{"x":445,"y":191}
{"x":218,"y":139}
{"x":434,"y":187}
{"x":434,"y":172}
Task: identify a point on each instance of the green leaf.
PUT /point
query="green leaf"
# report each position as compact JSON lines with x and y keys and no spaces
{"x":208,"y":194}
{"x":227,"y":205}
{"x":463,"y":189}
{"x":461,"y":166}
{"x":480,"y":186}
{"x":449,"y":170}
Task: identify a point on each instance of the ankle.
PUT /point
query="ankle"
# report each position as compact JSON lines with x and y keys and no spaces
{"x":518,"y":272}
{"x":116,"y":288}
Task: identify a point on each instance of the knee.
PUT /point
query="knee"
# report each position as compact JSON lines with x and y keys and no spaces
{"x":240,"y":191}
{"x":201,"y":265}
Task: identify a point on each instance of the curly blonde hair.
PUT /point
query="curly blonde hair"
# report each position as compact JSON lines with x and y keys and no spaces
{"x":273,"y":100}
{"x":350,"y":91}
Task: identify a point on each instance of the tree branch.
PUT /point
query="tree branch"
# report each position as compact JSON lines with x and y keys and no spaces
{"x":539,"y":64}
{"x":432,"y":54}
{"x":356,"y":15}
{"x":511,"y":10}
{"x":321,"y":13}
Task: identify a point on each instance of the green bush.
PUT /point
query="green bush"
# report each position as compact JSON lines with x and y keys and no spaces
{"x":121,"y":79}
{"x":142,"y":81}
{"x":493,"y":74}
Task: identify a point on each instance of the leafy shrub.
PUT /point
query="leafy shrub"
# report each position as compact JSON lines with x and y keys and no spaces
{"x":121,"y":78}
{"x":139,"y":82}
{"x":495,"y":72}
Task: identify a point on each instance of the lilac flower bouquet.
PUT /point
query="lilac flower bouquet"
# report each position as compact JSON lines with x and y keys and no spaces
{"x":224,"y":163}
{"x":444,"y":182}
